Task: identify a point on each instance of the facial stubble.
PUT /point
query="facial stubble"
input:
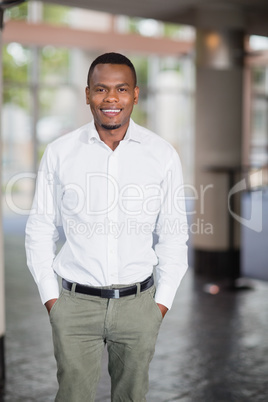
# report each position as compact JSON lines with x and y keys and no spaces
{"x":110,"y":127}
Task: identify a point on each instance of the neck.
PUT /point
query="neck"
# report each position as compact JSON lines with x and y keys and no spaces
{"x":111,"y":137}
{"x":111,"y":142}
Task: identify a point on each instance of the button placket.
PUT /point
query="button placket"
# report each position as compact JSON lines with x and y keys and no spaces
{"x":112,"y":215}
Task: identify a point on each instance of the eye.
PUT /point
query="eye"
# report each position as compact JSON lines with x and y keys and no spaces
{"x":100,"y":89}
{"x":122,"y":89}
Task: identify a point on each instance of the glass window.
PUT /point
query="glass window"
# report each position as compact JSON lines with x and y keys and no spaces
{"x":259,"y":117}
{"x":140,"y":114}
{"x":19,"y":12}
{"x":57,"y":114}
{"x":155,"y":28}
{"x":259,"y":136}
{"x":16,"y":63}
{"x":259,"y":79}
{"x":178,"y":32}
{"x":54,"y":65}
{"x":17,"y":148}
{"x":56,"y":14}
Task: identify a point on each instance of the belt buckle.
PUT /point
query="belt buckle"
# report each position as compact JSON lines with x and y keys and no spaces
{"x":110,"y":293}
{"x":116,"y":294}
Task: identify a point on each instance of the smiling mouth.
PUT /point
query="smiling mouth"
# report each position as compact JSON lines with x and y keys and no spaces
{"x":111,"y":112}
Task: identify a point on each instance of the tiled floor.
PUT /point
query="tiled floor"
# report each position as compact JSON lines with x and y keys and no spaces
{"x":211,"y":348}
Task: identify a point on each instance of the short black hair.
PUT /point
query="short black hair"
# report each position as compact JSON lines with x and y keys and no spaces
{"x":112,"y":58}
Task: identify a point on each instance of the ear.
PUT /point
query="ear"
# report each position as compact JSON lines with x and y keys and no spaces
{"x":87,"y":90}
{"x":136,"y":95}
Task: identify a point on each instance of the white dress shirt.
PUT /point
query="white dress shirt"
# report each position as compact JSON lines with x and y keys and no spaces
{"x":111,"y":205}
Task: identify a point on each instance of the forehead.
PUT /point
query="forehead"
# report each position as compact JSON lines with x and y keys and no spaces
{"x":112,"y":74}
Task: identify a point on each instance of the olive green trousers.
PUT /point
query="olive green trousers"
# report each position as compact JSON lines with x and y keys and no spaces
{"x":82,"y":325}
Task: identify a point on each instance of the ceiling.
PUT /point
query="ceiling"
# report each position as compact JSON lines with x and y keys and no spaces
{"x":249,"y":15}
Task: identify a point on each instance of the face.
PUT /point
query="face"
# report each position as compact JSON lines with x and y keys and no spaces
{"x":111,"y":95}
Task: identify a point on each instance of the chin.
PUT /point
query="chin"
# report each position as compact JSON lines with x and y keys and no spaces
{"x":111,"y":126}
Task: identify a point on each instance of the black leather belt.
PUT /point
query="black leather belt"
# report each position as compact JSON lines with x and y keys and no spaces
{"x":109,"y":293}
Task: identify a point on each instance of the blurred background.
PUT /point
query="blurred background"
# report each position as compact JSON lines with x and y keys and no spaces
{"x":203,"y":75}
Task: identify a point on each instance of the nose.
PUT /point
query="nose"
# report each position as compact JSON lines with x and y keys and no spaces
{"x":111,"y":96}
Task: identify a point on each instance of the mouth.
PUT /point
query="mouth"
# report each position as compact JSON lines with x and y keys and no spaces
{"x":111,"y":112}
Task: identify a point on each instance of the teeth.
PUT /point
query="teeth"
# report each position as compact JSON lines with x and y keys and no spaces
{"x":111,"y":110}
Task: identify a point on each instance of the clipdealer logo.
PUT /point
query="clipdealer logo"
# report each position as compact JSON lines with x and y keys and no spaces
{"x":254,"y":222}
{"x":141,"y":202}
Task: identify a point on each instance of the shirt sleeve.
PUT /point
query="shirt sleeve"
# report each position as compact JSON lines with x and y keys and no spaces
{"x":172,"y":232}
{"x":41,"y":231}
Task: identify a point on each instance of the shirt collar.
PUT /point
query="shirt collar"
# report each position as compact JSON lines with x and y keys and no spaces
{"x":93,"y":134}
{"x":132,"y":133}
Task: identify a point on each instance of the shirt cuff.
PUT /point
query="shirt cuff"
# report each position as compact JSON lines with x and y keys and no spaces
{"x":165,"y":295}
{"x":49,"y":289}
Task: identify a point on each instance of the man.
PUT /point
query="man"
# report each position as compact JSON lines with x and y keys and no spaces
{"x":112,"y":185}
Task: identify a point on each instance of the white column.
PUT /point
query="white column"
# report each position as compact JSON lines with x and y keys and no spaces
{"x":219,"y":84}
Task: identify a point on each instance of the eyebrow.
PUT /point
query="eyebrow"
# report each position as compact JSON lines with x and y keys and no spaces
{"x":123,"y":84}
